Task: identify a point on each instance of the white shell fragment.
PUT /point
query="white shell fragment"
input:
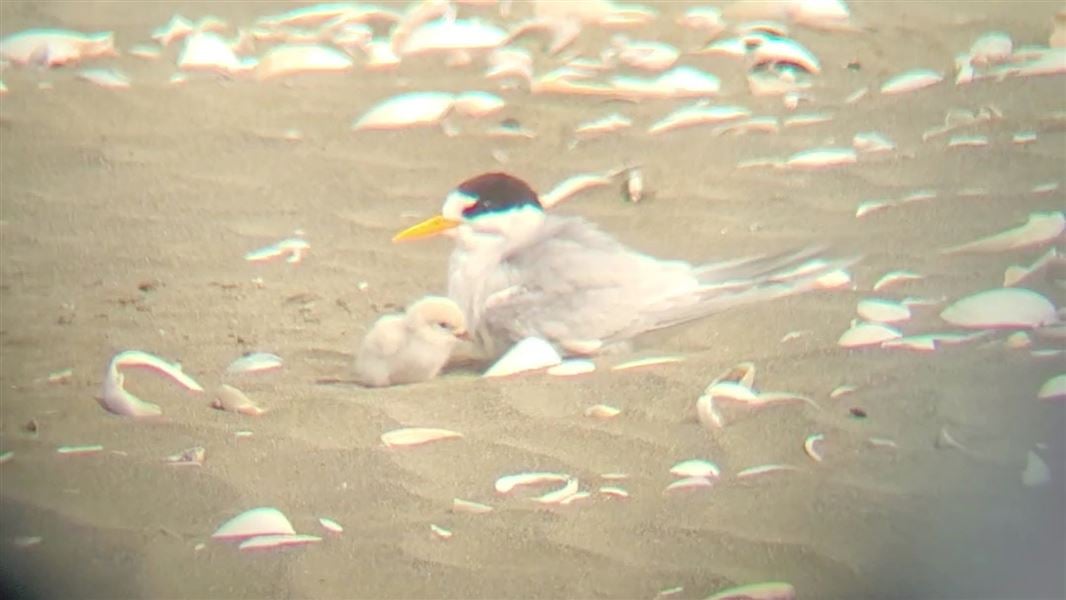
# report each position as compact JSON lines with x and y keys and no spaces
{"x":507,"y":483}
{"x":79,"y":450}
{"x":414,"y":436}
{"x":527,"y":355}
{"x":867,"y":334}
{"x":763,"y":470}
{"x":440,"y":532}
{"x":870,"y":142}
{"x":294,"y":247}
{"x":255,"y":522}
{"x":697,"y":114}
{"x":560,"y":495}
{"x":207,"y":51}
{"x":770,"y":590}
{"x":572,"y":367}
{"x":650,"y":361}
{"x":116,"y":399}
{"x":266,"y":542}
{"x":1040,"y":228}
{"x":1036,"y":471}
{"x":330,"y":525}
{"x":1053,"y":389}
{"x":810,"y":446}
{"x":892,"y":278}
{"x":254,"y":362}
{"x":696,"y":467}
{"x":821,"y":157}
{"x":293,"y":59}
{"x":688,"y":483}
{"x":413,"y":109}
{"x":910,"y":81}
{"x":466,"y":506}
{"x":881,"y":310}
{"x":190,"y":457}
{"x":231,"y":399}
{"x":602,"y":411}
{"x":1001,"y":308}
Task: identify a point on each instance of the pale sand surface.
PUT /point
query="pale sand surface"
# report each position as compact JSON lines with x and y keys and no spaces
{"x":168,"y":186}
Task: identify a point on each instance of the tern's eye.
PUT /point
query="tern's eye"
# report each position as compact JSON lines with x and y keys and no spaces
{"x":443,"y":325}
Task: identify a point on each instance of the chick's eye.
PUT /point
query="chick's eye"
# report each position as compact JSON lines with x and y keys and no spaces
{"x":442,"y":324}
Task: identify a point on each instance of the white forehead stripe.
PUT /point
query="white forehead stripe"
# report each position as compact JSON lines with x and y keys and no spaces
{"x":455,"y":203}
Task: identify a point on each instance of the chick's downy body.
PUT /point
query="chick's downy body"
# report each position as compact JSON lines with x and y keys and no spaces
{"x":410,"y":347}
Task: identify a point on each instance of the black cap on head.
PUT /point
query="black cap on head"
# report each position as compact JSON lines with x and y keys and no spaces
{"x":497,"y":192}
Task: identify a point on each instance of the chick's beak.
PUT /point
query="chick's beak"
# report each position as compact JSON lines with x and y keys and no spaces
{"x":463,"y":335}
{"x":428,"y":228}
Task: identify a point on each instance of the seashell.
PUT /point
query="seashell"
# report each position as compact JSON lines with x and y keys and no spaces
{"x":79,"y":450}
{"x":207,"y":51}
{"x":254,"y":362}
{"x":893,"y":277}
{"x":231,"y":399}
{"x":602,"y":411}
{"x":266,"y":542}
{"x":773,"y":49}
{"x":763,"y":398}
{"x":572,"y":186}
{"x":261,"y":521}
{"x":106,"y":78}
{"x":821,"y":157}
{"x":572,"y":367}
{"x":176,"y":28}
{"x":883,"y":311}
{"x":688,"y":483}
{"x":1053,"y":389}
{"x":607,"y":124}
{"x":1045,"y":188}
{"x":992,"y":47}
{"x":191,"y":457}
{"x":414,"y":436}
{"x":1001,"y":308}
{"x":527,"y":355}
{"x":869,"y":206}
{"x":440,"y":532}
{"x":867,"y":334}
{"x":708,"y":19}
{"x":910,"y":81}
{"x":972,"y":141}
{"x":708,"y":414}
{"x":1018,"y":340}
{"x":291,"y":59}
{"x":1023,"y":137}
{"x":803,"y":119}
{"x":1040,"y":228}
{"x":741,"y":373}
{"x":870,"y":142}
{"x":466,"y":506}
{"x":507,"y":483}
{"x":330,"y":525}
{"x":755,"y":124}
{"x":1036,"y":471}
{"x":841,"y":391}
{"x":380,"y":55}
{"x":810,"y":446}
{"x":116,"y":399}
{"x":613,"y":491}
{"x":696,"y":468}
{"x":697,"y":114}
{"x":55,"y":47}
{"x":452,"y":34}
{"x":731,"y":390}
{"x":878,"y":442}
{"x":650,"y":361}
{"x":414,"y":109}
{"x":560,"y":495}
{"x":649,"y":56}
{"x":763,"y":470}
{"x":771,"y":590}
{"x":478,"y":104}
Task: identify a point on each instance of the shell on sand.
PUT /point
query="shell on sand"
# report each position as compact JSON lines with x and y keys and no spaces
{"x":291,"y":59}
{"x":407,"y":110}
{"x":264,"y":542}
{"x":231,"y":399}
{"x":413,"y":436}
{"x":881,"y":310}
{"x":1053,"y":389}
{"x":255,"y":522}
{"x":867,"y":334}
{"x":1001,"y":308}
{"x":527,"y":355}
{"x":910,"y":81}
{"x":1040,"y":228}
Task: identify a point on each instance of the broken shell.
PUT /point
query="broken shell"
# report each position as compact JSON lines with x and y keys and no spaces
{"x":79,"y":450}
{"x":1036,"y":471}
{"x":650,"y":361}
{"x":602,"y":411}
{"x":116,"y":399}
{"x":330,"y":525}
{"x":571,"y":186}
{"x":1053,"y":389}
{"x":507,"y":483}
{"x":440,"y":532}
{"x":1040,"y":228}
{"x":910,"y":81}
{"x":560,"y":495}
{"x":1001,"y":308}
{"x":407,"y":110}
{"x":771,"y":590}
{"x":414,"y":436}
{"x":529,"y":354}
{"x":466,"y":506}
{"x":708,"y":414}
{"x":231,"y":399}
{"x":264,"y":542}
{"x":764,"y":469}
{"x":697,"y":114}
{"x":190,"y":457}
{"x":292,"y":59}
{"x":810,"y":446}
{"x":821,"y":157}
{"x":254,"y":362}
{"x":868,"y":334}
{"x":261,"y":521}
{"x":696,"y":468}
{"x":881,"y":310}
{"x":572,"y":367}
{"x":893,"y":277}
{"x":688,"y":483}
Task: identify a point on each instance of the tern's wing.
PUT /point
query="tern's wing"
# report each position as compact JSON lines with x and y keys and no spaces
{"x":575,"y":283}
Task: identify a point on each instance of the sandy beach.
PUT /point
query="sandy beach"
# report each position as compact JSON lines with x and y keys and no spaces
{"x":125,"y":216}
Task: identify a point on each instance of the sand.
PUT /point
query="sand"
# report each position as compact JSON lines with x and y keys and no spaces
{"x":125,"y":215}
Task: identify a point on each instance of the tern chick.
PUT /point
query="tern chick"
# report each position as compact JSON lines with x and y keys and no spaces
{"x":518,"y":272}
{"x":410,"y":347}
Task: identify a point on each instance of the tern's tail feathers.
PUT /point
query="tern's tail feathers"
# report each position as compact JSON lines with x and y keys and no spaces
{"x":735,"y":283}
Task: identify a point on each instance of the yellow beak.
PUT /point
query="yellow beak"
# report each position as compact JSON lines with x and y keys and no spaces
{"x":428,"y":228}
